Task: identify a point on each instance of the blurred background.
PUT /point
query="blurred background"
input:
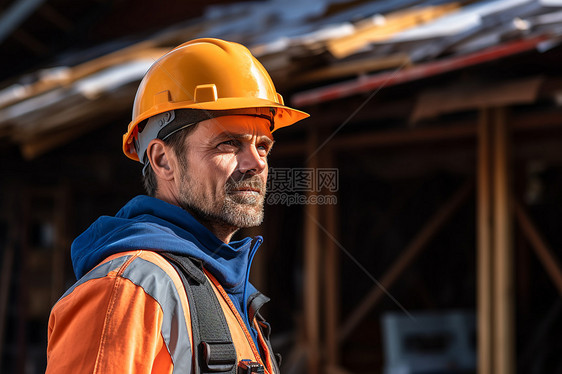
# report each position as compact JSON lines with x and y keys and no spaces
{"x":417,"y":224}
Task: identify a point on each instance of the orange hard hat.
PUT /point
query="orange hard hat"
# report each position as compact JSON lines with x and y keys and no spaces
{"x":207,"y":75}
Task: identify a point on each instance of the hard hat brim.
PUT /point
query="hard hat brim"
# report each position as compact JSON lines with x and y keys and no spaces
{"x":284,"y":116}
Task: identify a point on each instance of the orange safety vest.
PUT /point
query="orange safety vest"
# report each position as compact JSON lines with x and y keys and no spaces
{"x":130,"y":314}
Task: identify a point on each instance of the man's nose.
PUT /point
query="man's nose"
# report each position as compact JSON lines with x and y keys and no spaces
{"x":250,"y":161}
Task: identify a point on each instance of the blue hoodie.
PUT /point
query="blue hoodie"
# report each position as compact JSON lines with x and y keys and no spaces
{"x":152,"y":224}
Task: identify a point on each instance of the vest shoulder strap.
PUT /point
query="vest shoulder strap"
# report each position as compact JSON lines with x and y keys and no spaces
{"x":214,"y":351}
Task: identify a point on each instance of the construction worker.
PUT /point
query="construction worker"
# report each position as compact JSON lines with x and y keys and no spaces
{"x":162,"y":288}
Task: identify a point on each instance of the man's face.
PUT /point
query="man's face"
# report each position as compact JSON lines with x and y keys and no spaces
{"x":223,"y":174}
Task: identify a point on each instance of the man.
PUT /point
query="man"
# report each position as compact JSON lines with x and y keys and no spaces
{"x":202,"y":123}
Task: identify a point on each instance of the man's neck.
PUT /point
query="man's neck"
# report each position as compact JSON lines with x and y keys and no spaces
{"x":222,"y":231}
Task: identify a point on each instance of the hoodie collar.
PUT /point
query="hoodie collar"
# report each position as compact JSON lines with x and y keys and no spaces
{"x":152,"y":224}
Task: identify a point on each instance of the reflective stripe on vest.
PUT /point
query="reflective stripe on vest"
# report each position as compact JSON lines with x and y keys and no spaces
{"x":161,"y":281}
{"x":159,"y":285}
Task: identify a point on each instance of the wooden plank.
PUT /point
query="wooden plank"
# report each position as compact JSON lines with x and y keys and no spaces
{"x":145,"y":50}
{"x":384,"y":27}
{"x":67,"y":76}
{"x":386,"y":79}
{"x":68,"y":111}
{"x":484,"y":258}
{"x":414,"y":248}
{"x":351,"y":68}
{"x":312,"y":269}
{"x":504,"y":321}
{"x":539,"y":245}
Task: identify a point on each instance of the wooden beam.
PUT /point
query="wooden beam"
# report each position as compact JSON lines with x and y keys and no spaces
{"x":351,"y":68}
{"x":542,"y":121}
{"x":391,"y":138}
{"x":414,"y":248}
{"x":484,"y":258}
{"x":403,"y":137}
{"x":539,"y":245}
{"x":504,"y":321}
{"x":459,"y":97}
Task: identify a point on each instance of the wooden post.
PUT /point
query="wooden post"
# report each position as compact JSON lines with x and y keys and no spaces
{"x":484,"y":250}
{"x":312,"y":268}
{"x":332,"y":279}
{"x":496,"y":337}
{"x":503,"y":251}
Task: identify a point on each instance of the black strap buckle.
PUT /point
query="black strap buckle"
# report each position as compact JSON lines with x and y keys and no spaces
{"x":219,"y":356}
{"x":249,"y":366}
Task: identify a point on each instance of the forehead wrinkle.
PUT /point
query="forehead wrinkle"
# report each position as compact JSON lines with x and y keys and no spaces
{"x":245,"y":136}
{"x":238,"y":124}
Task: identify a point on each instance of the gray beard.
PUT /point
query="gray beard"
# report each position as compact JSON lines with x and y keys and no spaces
{"x":242,"y":211}
{"x":233,"y":211}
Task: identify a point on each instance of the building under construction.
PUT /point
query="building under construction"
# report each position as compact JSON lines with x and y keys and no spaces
{"x":413,"y":222}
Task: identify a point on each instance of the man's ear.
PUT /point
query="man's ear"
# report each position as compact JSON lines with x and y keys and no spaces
{"x":161,"y":159}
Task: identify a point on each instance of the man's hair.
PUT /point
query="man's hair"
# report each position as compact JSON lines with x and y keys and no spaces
{"x":176,"y":142}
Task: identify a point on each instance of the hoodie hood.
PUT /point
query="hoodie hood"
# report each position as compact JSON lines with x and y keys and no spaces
{"x":152,"y":224}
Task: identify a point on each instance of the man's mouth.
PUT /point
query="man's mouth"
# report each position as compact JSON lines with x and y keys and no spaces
{"x":247,"y":190}
{"x":253,"y":187}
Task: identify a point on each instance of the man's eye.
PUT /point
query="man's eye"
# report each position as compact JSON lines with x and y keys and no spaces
{"x":263,"y":150}
{"x":228,"y":144}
